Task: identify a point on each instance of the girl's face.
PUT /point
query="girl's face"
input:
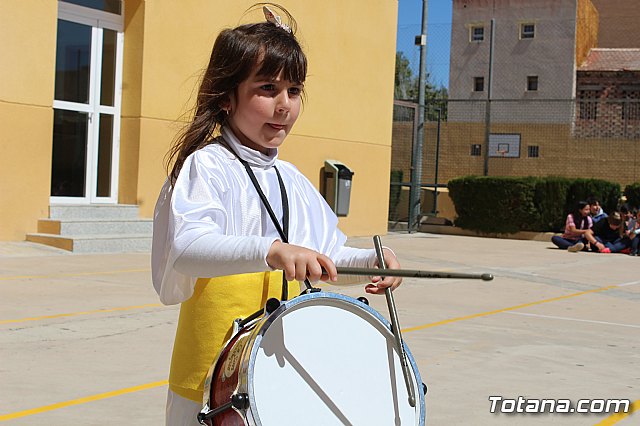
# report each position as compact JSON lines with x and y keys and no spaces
{"x":263,"y":111}
{"x":585,"y":211}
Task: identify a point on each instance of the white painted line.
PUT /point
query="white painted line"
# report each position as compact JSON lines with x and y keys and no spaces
{"x":573,"y":319}
{"x":629,"y":283}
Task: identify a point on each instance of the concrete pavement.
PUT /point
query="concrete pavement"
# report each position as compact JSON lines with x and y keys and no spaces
{"x":85,"y":341}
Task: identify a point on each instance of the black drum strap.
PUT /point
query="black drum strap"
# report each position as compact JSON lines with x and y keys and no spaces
{"x":283,"y":230}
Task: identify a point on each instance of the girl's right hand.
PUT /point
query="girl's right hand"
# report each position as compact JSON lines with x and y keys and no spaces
{"x":299,"y":263}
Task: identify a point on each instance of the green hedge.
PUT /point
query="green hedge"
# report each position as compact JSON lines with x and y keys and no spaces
{"x":632,"y":192}
{"x":508,"y":205}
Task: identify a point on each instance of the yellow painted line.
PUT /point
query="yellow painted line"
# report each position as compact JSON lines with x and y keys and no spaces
{"x":105,"y":395}
{"x":615,"y":418}
{"x":75,"y":314}
{"x":84,"y":400}
{"x":75,"y":274}
{"x":497,"y":311}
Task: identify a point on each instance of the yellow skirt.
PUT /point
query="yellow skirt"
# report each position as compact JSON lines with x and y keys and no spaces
{"x":206,"y":323}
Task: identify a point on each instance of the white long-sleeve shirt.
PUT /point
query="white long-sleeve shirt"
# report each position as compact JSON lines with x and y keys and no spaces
{"x":212,"y":222}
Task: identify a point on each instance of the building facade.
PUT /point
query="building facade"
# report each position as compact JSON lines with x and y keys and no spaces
{"x":518,"y":52}
{"x":547,"y":99}
{"x":93,"y":93}
{"x":561,"y":97}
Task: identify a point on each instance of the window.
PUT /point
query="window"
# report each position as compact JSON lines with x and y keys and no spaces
{"x":527,"y":31}
{"x":532,"y":83}
{"x":476,"y":33}
{"x":478,"y":84}
{"x":631,"y":107}
{"x":588,"y":104}
{"x":111,"y":6}
{"x":476,"y":150}
{"x":533,"y":151}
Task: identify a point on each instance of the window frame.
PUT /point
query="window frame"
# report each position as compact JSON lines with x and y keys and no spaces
{"x":531,"y":81}
{"x":588,"y":98}
{"x":472,"y":34}
{"x":88,"y":16}
{"x":631,"y":104}
{"x":527,"y":35}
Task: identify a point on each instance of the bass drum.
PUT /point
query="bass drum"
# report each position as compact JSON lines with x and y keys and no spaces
{"x":319,"y":359}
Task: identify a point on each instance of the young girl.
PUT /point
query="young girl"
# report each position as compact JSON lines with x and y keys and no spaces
{"x":215,"y":247}
{"x":576,"y":229}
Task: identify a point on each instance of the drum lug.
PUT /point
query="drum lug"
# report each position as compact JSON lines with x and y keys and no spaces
{"x":424,"y":388}
{"x":271,"y":305}
{"x":363,"y":300}
{"x":240,"y":401}
{"x":236,"y":326}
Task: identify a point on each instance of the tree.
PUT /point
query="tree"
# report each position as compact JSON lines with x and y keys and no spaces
{"x":406,"y":85}
{"x":406,"y":89}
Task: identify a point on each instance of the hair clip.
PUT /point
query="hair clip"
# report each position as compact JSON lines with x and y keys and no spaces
{"x":275,"y":19}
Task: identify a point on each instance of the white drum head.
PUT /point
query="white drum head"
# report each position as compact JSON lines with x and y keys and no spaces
{"x":327,"y":361}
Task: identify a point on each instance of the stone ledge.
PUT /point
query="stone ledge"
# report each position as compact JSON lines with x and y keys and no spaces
{"x":453,"y":230}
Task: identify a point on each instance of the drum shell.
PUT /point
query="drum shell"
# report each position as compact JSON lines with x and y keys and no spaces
{"x":223,"y":379}
{"x":244,"y":346}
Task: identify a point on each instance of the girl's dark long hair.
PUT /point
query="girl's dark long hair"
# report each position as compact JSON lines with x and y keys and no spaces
{"x":581,"y":222}
{"x":235,"y":56}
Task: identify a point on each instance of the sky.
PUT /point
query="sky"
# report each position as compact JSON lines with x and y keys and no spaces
{"x":438,"y":36}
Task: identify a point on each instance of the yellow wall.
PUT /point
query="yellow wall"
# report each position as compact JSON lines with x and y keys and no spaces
{"x":586,"y":29}
{"x":560,"y":153}
{"x":347,"y":116}
{"x":27,"y":62}
{"x":351,"y":52}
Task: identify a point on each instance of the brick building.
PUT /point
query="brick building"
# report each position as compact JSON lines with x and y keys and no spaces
{"x":608,"y":94}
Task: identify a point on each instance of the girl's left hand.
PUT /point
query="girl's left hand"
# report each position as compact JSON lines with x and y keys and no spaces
{"x":379,"y":285}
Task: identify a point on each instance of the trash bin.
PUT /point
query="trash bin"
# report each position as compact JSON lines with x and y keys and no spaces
{"x":337,"y":186}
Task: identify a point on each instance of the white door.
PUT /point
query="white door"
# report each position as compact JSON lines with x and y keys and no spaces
{"x":87,"y":102}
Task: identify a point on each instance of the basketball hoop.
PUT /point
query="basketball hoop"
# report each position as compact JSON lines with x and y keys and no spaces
{"x":502,"y":152}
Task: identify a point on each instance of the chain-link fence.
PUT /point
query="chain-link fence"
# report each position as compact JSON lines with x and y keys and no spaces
{"x":533,"y":89}
{"x":572,"y":138}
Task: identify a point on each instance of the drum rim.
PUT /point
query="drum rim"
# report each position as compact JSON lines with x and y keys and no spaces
{"x":267,"y":321}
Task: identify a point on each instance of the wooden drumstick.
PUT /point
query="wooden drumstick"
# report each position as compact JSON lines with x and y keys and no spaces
{"x":395,"y":325}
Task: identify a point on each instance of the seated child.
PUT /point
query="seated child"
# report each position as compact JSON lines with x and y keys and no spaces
{"x":577,"y":225}
{"x":607,"y":236}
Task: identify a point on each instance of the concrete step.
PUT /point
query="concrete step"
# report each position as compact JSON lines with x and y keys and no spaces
{"x":94,"y":211}
{"x":97,"y":243}
{"x":95,"y":226}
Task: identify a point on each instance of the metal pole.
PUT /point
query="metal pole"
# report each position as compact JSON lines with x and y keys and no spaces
{"x":487,"y":121}
{"x":435,"y":178}
{"x":416,"y":172}
{"x":412,"y":181}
